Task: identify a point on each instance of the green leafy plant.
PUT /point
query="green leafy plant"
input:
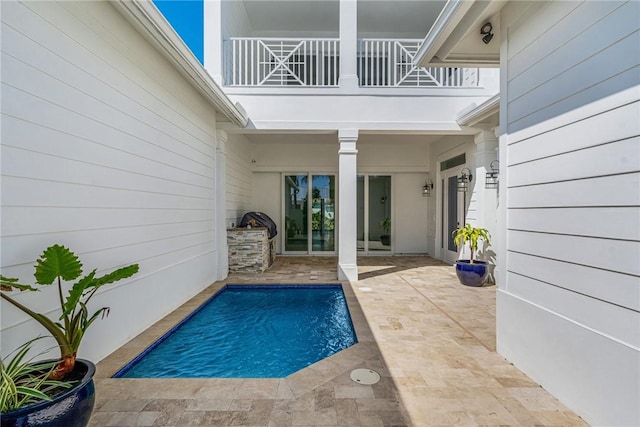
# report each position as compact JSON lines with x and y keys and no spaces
{"x":329,"y":224}
{"x":291,"y":226}
{"x":316,"y":218}
{"x":472,"y":235}
{"x":386,"y":225}
{"x":58,"y":263}
{"x":24,"y":382}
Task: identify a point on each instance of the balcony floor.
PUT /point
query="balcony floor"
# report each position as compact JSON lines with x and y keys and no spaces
{"x":431,"y":339}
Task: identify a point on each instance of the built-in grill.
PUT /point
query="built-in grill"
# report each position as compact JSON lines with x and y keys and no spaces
{"x":259,"y":219}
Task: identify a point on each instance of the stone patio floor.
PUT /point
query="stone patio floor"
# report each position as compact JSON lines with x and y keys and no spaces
{"x":431,"y":339}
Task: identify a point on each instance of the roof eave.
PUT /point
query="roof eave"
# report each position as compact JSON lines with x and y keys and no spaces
{"x":477,"y":114}
{"x":451,"y":15}
{"x":148,"y":20}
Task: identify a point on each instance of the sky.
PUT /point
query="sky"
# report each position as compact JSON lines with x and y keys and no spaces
{"x":186,"y":17}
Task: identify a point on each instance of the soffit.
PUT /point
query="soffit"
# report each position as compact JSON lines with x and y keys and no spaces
{"x":455,"y":38}
{"x":332,"y":138}
{"x":402,"y":18}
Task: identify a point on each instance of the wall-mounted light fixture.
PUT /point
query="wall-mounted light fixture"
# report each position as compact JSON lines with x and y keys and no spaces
{"x":427,"y":187}
{"x":486,"y":32}
{"x":491,"y":179}
{"x":464,"y":179}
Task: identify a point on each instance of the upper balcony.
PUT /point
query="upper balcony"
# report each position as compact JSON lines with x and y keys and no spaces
{"x":321,"y":65}
{"x":315,"y":63}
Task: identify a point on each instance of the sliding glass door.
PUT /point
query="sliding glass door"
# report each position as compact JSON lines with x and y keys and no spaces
{"x":309,"y":207}
{"x":295,"y":211}
{"x":374,"y":213}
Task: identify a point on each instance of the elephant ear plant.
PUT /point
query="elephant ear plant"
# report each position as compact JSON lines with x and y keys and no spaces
{"x":471,"y":235}
{"x":57,"y":264}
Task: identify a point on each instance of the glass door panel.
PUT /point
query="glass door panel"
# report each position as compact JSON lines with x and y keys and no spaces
{"x":295,"y":211}
{"x":452,"y":211}
{"x":453,"y":203}
{"x":373,"y":213}
{"x":323,"y":208}
{"x":379,"y":213}
{"x":360,"y":232}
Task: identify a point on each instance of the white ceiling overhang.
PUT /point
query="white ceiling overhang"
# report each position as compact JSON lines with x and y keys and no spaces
{"x":455,"y":38}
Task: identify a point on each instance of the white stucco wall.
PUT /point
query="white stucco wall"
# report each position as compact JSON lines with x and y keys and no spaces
{"x":238,"y":168}
{"x":107,"y":150}
{"x":568,"y":308}
{"x":386,"y":109}
{"x":405,"y":158}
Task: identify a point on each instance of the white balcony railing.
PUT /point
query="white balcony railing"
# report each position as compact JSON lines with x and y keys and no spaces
{"x":316,"y":63}
{"x":389,"y":63}
{"x":282,"y":62}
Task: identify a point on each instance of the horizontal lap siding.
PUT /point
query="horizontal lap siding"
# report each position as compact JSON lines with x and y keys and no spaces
{"x":608,"y":319}
{"x":106,"y":148}
{"x":579,"y":193}
{"x":615,"y":158}
{"x":621,"y":289}
{"x":616,"y":124}
{"x":573,"y":197}
{"x":594,"y":61}
{"x":573,"y":183}
{"x":606,"y":254}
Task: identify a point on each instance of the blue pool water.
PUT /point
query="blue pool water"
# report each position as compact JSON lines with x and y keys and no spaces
{"x":251,"y":332}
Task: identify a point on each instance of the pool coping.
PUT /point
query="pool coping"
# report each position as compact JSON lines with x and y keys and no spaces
{"x":299,"y":382}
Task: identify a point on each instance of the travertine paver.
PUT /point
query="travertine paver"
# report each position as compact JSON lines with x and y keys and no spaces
{"x":431,"y":339}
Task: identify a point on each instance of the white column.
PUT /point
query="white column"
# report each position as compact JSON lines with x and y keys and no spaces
{"x":220,"y":206}
{"x":348,"y":44}
{"x":487,"y":199}
{"x":347,"y":198}
{"x":213,"y":39}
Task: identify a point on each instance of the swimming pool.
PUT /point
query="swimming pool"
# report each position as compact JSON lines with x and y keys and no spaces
{"x":249,"y":331}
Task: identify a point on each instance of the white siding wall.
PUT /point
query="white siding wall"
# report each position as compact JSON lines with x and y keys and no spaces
{"x":568,"y":309}
{"x":238,"y":178}
{"x":107,"y":150}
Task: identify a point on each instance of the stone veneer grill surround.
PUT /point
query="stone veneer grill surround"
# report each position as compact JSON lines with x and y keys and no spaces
{"x":250,"y":249}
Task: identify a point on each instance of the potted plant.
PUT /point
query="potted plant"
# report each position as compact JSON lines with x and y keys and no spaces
{"x":73,"y":406}
{"x":24,"y":382}
{"x":385,"y":238}
{"x":471,"y":272}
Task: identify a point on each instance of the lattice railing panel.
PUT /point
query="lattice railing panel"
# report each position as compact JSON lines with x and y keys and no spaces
{"x":282,"y":62}
{"x":389,"y":63}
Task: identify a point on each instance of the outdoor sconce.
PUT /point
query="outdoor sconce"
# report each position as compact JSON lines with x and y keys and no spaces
{"x":464,"y":179}
{"x":486,"y":32}
{"x":427,"y":187}
{"x":491,"y":179}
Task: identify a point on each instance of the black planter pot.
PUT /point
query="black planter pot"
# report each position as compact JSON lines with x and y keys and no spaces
{"x":69,"y":409}
{"x":385,"y":239}
{"x":472,"y":274}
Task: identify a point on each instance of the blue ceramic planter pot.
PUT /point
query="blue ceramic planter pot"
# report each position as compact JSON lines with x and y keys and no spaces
{"x":472,"y":274}
{"x":70,"y":409}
